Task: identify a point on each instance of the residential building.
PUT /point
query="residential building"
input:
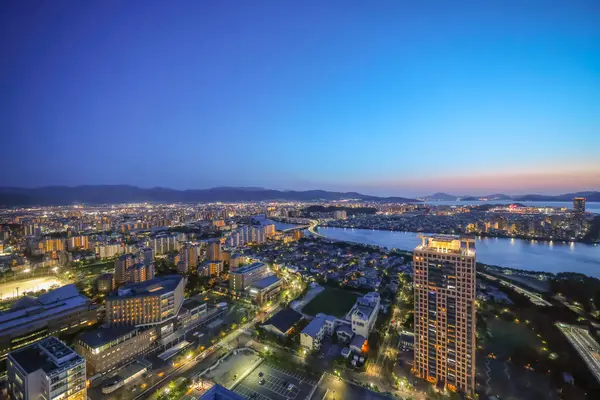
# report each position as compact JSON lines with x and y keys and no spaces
{"x":46,"y":370}
{"x":444,"y":289}
{"x":61,"y":310}
{"x":364,"y":314}
{"x":210,"y":268}
{"x":109,"y":250}
{"x":122,"y":265}
{"x":105,"y":349}
{"x":241,"y":279}
{"x":78,"y":242}
{"x":317,"y":329}
{"x":140,"y":272}
{"x":190,"y":253}
{"x":106,"y":283}
{"x":213,"y":251}
{"x":339,"y":214}
{"x":579,"y":205}
{"x":146,"y":303}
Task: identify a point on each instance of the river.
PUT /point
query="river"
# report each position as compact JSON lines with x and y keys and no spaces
{"x":514,"y":253}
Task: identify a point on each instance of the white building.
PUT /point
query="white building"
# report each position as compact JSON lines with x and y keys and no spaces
{"x":364,"y":314}
{"x":320,"y":327}
{"x":47,"y":370}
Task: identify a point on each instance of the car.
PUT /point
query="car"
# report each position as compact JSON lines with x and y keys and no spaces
{"x":261,"y":382}
{"x":260,"y":374}
{"x":289,"y":388}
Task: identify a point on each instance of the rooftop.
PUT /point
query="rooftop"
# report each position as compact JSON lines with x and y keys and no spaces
{"x":190,"y":304}
{"x":248,"y":268}
{"x":154,"y":287}
{"x":266,"y":282}
{"x":45,"y":306}
{"x":48,"y":354}
{"x":101,"y":336}
{"x":447,"y":244}
{"x":315,"y":325}
{"x":284,"y":319}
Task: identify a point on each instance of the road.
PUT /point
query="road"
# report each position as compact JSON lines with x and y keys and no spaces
{"x":586,"y":346}
{"x":312,"y":226}
{"x":189,"y":366}
{"x":535,"y":298}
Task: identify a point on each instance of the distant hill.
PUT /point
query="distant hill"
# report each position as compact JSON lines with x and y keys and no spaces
{"x":113,"y":194}
{"x":439,"y":197}
{"x":490,"y":197}
{"x":590,"y":196}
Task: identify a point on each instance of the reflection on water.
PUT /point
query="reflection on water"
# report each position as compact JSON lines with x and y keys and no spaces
{"x":531,"y":255}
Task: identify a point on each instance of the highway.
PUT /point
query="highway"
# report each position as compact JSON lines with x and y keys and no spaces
{"x":586,"y":346}
{"x":312,"y":226}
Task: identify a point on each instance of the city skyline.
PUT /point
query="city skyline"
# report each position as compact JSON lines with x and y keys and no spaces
{"x":392,"y":99}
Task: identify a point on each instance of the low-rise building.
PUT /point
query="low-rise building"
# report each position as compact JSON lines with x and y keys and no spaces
{"x":364,"y":314}
{"x":283,"y":322}
{"x":105,"y":349}
{"x":105,"y":283}
{"x":320,"y":327}
{"x":61,"y":310}
{"x":265,"y":289}
{"x":210,"y":268}
{"x":46,"y":370}
{"x":191,"y":314}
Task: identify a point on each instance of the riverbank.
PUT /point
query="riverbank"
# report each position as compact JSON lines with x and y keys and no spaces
{"x":483,"y":234}
{"x":514,"y":254}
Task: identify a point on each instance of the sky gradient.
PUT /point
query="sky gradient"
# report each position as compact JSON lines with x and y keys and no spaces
{"x":382,"y":97}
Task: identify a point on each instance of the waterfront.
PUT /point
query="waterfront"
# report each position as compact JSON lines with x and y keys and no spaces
{"x":513,"y":253}
{"x":592,"y":207}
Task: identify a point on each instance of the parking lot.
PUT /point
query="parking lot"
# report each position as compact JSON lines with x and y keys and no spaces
{"x":275,"y":384}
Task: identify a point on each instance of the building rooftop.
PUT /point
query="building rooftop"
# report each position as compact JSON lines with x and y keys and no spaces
{"x":248,"y":268}
{"x":447,"y":244}
{"x":190,"y":304}
{"x":218,"y":392}
{"x":315,"y":325}
{"x":265,"y":282}
{"x":101,"y":336}
{"x":44,"y":307}
{"x":154,"y":287}
{"x":48,"y":354}
{"x":284,"y":319}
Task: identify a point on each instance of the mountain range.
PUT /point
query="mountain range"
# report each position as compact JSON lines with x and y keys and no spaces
{"x":589,"y":195}
{"x":114,"y":194}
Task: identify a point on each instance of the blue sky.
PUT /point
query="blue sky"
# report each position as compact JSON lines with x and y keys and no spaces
{"x":384,"y":97}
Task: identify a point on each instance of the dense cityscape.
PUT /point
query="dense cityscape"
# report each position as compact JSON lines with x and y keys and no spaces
{"x":173,"y":301}
{"x":314,"y":200}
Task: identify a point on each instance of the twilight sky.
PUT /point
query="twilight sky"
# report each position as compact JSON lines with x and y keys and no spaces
{"x":383,"y":97}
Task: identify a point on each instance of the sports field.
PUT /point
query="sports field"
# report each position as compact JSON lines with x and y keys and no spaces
{"x":10,"y":289}
{"x":331,"y":301}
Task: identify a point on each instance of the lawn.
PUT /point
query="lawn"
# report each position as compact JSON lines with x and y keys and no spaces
{"x":331,"y":301}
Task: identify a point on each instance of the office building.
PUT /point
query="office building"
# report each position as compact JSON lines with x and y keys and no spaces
{"x":61,"y":310}
{"x":364,"y":314}
{"x":444,"y":289}
{"x":47,"y":370}
{"x":241,"y":279}
{"x":265,"y":289}
{"x":106,"y":349}
{"x":213,"y":251}
{"x":579,"y":205}
{"x":146,"y":303}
